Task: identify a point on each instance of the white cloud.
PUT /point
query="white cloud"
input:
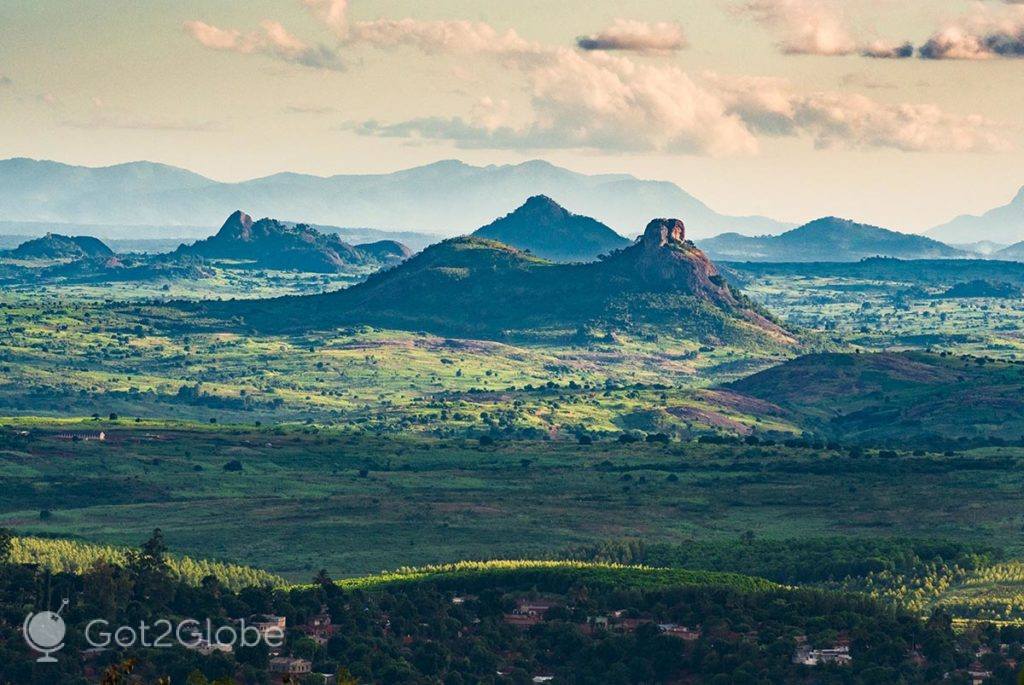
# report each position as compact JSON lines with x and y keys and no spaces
{"x":612,"y":103}
{"x":985,"y":33}
{"x":272,"y":39}
{"x":805,"y":27}
{"x":591,"y":99}
{"x":440,"y":36}
{"x":333,"y":13}
{"x":847,"y":120}
{"x":636,"y":36}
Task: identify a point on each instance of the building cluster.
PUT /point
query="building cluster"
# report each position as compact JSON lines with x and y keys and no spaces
{"x":531,"y":612}
{"x":282,"y":668}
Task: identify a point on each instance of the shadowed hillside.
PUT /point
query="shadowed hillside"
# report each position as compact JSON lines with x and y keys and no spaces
{"x":911,"y":399}
{"x":271,"y":244}
{"x":546,"y":229}
{"x":54,"y":246}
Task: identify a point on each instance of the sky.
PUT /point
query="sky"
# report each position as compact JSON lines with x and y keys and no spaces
{"x":900,"y":113}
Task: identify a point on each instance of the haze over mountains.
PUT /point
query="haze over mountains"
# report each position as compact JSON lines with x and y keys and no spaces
{"x":828,"y":240}
{"x":447,"y":198}
{"x":1003,"y":224}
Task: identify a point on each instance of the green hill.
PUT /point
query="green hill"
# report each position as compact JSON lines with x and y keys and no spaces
{"x":55,"y":246}
{"x":471,"y":287}
{"x":906,"y":398}
{"x":541,"y":226}
{"x":554,"y":576}
{"x":271,"y":244}
{"x":829,"y":239}
{"x":70,"y":556}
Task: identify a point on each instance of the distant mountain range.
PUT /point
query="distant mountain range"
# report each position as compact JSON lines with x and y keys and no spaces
{"x":1001,"y":225}
{"x":474,"y":287}
{"x":447,"y":198}
{"x":271,"y":244}
{"x":1010,"y":253}
{"x":828,"y":240}
{"x":544,"y":228}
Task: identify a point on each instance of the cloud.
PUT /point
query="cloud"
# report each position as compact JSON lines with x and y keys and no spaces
{"x":593,"y":99}
{"x":636,"y":36}
{"x":272,"y":39}
{"x":884,"y":50}
{"x":831,"y":120}
{"x":805,"y":27}
{"x":333,"y":13}
{"x":984,"y":34}
{"x":596,"y":102}
{"x":611,"y":103}
{"x":440,"y":36}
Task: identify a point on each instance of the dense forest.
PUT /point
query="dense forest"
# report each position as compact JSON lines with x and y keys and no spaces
{"x":472,"y":627}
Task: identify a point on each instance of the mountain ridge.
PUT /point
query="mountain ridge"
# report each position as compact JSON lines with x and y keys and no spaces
{"x":1003,"y":224}
{"x":447,"y":197}
{"x":476,"y":287}
{"x":828,"y":239}
{"x":273,"y":244}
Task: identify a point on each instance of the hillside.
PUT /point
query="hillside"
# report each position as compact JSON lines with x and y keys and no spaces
{"x":925,"y":272}
{"x":448,"y":197}
{"x":828,"y":239}
{"x":1011,"y":253}
{"x":271,"y":244}
{"x":543,"y":227}
{"x":911,"y":398}
{"x":982,"y":288}
{"x":1003,"y":224}
{"x":481,"y":288}
{"x":54,"y":246}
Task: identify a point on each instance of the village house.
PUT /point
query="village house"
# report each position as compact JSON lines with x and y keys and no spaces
{"x":533,"y":607}
{"x":206,"y":648}
{"x":319,"y":627}
{"x":838,"y":655}
{"x":978,"y":673}
{"x":268,"y":623}
{"x":678,"y":631}
{"x":528,"y":613}
{"x":81,"y":436}
{"x":287,"y":666}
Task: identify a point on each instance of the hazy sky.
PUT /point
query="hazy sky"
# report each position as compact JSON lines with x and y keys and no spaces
{"x":755,"y":106}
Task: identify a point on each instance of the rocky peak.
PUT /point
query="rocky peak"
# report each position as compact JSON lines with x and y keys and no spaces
{"x":238,"y":225}
{"x":662,"y":232}
{"x":542,"y":204}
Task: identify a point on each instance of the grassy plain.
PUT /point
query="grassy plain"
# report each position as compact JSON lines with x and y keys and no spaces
{"x":307,"y":498}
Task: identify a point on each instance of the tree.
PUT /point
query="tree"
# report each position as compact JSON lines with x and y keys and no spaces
{"x":6,"y":540}
{"x":148,"y":568}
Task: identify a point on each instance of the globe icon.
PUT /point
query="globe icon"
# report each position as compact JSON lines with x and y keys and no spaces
{"x":44,"y":633}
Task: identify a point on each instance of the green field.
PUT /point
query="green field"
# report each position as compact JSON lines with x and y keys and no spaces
{"x":310,"y":498}
{"x":361,"y":450}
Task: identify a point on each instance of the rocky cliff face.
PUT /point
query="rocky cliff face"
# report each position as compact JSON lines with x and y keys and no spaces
{"x":663,"y":260}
